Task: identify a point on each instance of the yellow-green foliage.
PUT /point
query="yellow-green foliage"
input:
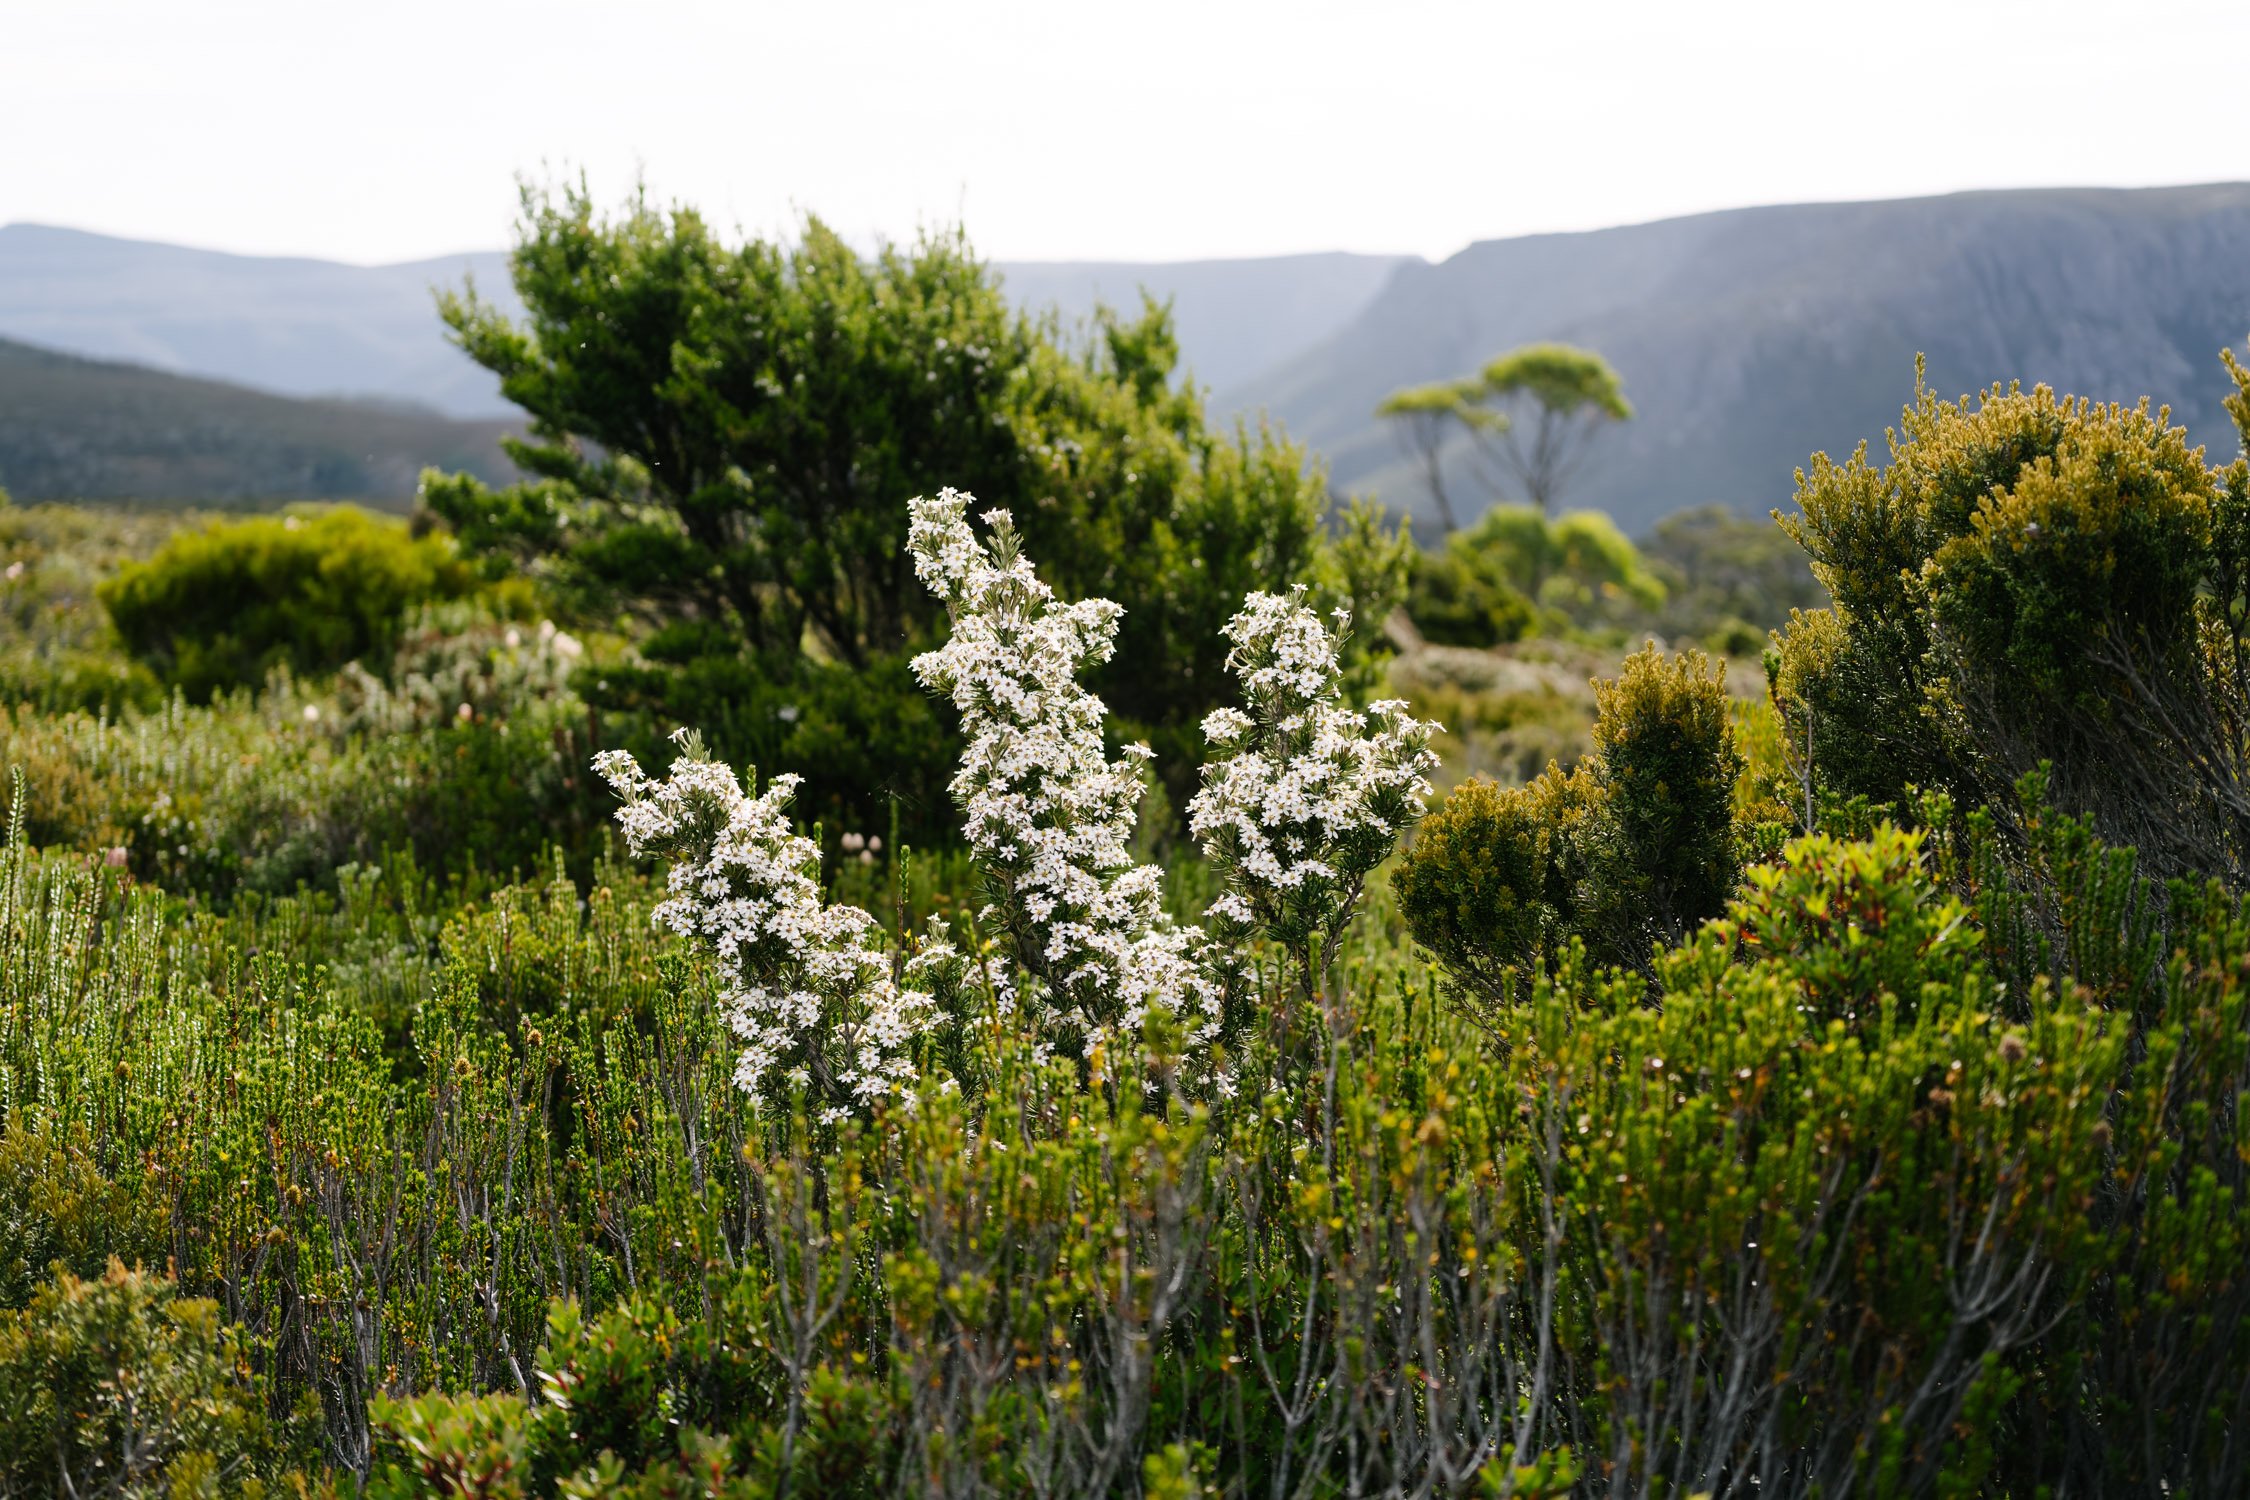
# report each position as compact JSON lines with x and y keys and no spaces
{"x":1750,"y":1172}
{"x":57,"y":1209}
{"x":2029,"y":578}
{"x":114,"y":1385}
{"x":1518,"y":572}
{"x":1665,"y":756}
{"x":222,"y":607}
{"x":2112,"y":530}
{"x":1576,"y":563}
{"x":1485,"y":886}
{"x":1633,"y":847}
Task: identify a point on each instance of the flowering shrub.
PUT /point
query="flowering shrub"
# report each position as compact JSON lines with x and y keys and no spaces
{"x":1047,"y":813}
{"x":805,"y":985}
{"x":459,"y":666}
{"x":1311,"y":796}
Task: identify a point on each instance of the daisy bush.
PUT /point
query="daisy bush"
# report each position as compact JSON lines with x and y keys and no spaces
{"x":806,"y":986}
{"x":1047,"y":813}
{"x":1304,"y":796}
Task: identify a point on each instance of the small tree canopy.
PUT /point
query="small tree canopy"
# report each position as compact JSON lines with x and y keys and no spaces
{"x":1562,"y":379}
{"x":1423,"y":417}
{"x":1443,"y":398}
{"x":1559,"y":395}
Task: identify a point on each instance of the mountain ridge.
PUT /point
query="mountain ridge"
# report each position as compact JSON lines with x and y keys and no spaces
{"x":100,"y":430}
{"x":305,"y":327}
{"x":1747,"y":338}
{"x":1750,"y":338}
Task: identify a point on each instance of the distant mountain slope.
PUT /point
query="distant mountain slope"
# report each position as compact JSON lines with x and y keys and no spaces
{"x":1235,"y":318}
{"x":1749,"y":339}
{"x":293,"y":327}
{"x":321,"y":328}
{"x":79,"y":429}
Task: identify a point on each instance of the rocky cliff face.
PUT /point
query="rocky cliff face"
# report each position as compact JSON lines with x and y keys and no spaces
{"x":1748,"y":340}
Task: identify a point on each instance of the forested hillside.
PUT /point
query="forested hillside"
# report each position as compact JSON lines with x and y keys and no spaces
{"x":284,"y":324}
{"x":80,"y":429}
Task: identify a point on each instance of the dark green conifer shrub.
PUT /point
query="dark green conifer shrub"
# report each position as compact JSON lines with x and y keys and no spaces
{"x":723,"y":437}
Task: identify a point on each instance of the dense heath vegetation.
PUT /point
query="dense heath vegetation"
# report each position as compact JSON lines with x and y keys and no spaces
{"x":733,"y":968}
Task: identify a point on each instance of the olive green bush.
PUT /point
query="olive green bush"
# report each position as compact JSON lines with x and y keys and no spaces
{"x":1666,"y":763}
{"x":1633,"y":847}
{"x":1520,"y":572}
{"x":1460,"y":597}
{"x":222,"y":607}
{"x":57,"y":1210}
{"x":2030,"y":580}
{"x":116,"y":1385}
{"x":2144,"y":1380}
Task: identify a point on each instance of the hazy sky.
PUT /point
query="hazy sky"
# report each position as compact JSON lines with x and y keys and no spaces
{"x":1054,"y":129}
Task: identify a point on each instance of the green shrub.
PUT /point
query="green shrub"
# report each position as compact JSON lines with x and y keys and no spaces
{"x":222,"y":607}
{"x":1875,"y":1208}
{"x":636,"y":1402}
{"x":115,"y":1385}
{"x":58,"y":1210}
{"x":2029,"y":580}
{"x":867,"y":741}
{"x":1665,"y":758}
{"x":1485,"y":885}
{"x":725,"y":435}
{"x":1632,"y":848}
{"x":1518,"y":572}
{"x":1459,"y":597}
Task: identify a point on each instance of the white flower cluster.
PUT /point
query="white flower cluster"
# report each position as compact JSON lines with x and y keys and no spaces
{"x":805,"y":985}
{"x":1304,"y":797}
{"x":1047,"y":813}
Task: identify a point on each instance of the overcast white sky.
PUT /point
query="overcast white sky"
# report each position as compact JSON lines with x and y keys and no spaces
{"x":1161,"y":129}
